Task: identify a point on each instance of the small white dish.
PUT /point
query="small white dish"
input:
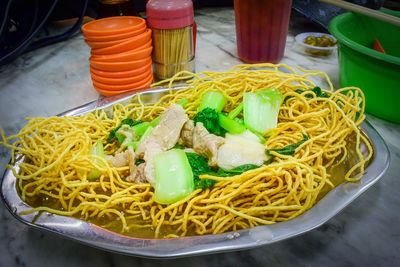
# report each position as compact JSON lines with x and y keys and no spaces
{"x":314,"y":50}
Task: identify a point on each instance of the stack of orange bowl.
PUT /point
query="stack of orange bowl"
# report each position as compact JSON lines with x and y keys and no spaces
{"x":120,"y":58}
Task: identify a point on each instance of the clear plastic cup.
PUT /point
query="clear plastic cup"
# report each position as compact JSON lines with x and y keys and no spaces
{"x":261,"y":29}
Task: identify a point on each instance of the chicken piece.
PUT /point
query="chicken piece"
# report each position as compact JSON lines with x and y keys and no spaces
{"x":130,"y":135}
{"x":126,"y":158}
{"x":167,"y":132}
{"x":186,"y":138}
{"x":120,"y":159}
{"x":206,"y":144}
{"x":241,"y":149}
{"x":132,"y":166}
{"x":141,"y":177}
{"x":152,"y":149}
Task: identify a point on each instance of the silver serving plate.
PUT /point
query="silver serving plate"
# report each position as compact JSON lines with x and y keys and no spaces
{"x":96,"y":236}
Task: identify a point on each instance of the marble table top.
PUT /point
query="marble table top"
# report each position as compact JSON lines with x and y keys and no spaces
{"x":56,"y":78}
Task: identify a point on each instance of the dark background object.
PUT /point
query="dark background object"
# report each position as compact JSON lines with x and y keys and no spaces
{"x":23,"y":21}
{"x":392,"y":4}
{"x":321,"y":13}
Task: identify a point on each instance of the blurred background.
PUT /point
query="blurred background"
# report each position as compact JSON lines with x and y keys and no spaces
{"x":26,"y":25}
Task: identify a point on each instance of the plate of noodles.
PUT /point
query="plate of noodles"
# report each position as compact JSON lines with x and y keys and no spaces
{"x":189,"y":169}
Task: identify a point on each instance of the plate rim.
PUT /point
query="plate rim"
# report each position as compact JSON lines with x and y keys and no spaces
{"x":95,"y":236}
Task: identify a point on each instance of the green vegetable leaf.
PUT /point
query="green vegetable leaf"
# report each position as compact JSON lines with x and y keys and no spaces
{"x":261,"y":109}
{"x":203,"y":183}
{"x":183,"y":102}
{"x":127,"y":121}
{"x":98,"y":150}
{"x":173,"y":176}
{"x":210,"y":119}
{"x":238,"y":170}
{"x":141,"y":128}
{"x":288,"y":150}
{"x":236,"y":111}
{"x":317,"y":91}
{"x":200,"y":166}
{"x":212,"y":99}
{"x":230,"y":125}
{"x":178,"y":146}
{"x":139,"y":161}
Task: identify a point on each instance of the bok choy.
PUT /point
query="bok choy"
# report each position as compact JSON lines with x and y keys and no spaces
{"x":260,"y":109}
{"x":97,"y":150}
{"x":212,"y":99}
{"x":173,"y":176}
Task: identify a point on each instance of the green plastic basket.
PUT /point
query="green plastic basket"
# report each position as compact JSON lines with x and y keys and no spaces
{"x":377,"y":74}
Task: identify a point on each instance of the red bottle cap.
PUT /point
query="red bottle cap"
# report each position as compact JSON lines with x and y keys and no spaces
{"x":169,"y":14}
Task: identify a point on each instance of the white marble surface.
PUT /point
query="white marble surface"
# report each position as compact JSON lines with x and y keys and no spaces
{"x":51,"y":80}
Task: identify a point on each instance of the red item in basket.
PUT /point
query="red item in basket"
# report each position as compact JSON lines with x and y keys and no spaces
{"x":378,"y":47}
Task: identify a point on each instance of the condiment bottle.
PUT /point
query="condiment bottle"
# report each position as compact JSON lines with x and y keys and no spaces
{"x":172,"y":24}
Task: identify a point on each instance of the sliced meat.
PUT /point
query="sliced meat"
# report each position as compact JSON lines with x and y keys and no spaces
{"x":127,"y":158}
{"x":168,"y":130}
{"x":141,"y":177}
{"x":152,"y":149}
{"x":120,"y":159}
{"x":163,"y":137}
{"x":206,"y":144}
{"x":132,"y":166}
{"x":186,"y":138}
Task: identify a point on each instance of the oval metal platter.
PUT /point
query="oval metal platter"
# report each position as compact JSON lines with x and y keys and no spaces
{"x":99,"y":237}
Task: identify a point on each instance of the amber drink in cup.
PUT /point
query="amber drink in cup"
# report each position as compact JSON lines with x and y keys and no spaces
{"x":261,"y":29}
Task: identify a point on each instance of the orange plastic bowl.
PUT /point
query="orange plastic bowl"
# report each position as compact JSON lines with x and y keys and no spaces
{"x":121,"y":74}
{"x":119,"y":66}
{"x":120,"y":81}
{"x":113,"y":25}
{"x":103,"y":44}
{"x":110,"y":93}
{"x":143,"y":46}
{"x":130,"y":44}
{"x":124,"y":56}
{"x":113,"y":37}
{"x":122,"y":88}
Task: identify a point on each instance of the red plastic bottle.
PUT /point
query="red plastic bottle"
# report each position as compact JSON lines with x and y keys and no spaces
{"x":172,"y":23}
{"x":261,"y":29}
